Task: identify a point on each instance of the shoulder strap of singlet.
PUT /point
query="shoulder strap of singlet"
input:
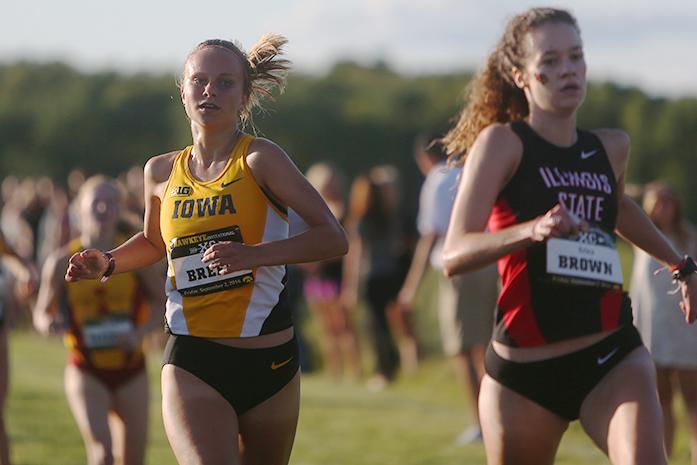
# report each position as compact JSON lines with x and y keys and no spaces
{"x":242,"y":149}
{"x":242,"y":146}
{"x":178,"y":166}
{"x":521,"y":128}
{"x":590,"y":135}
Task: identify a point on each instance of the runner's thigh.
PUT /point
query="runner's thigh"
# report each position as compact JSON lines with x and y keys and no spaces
{"x":200,"y":424}
{"x":131,"y":402}
{"x":622,"y":414}
{"x":90,"y":402}
{"x":268,"y":430}
{"x":516,"y":430}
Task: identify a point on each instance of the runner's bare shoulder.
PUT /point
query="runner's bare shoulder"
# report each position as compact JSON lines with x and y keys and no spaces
{"x":159,"y":168}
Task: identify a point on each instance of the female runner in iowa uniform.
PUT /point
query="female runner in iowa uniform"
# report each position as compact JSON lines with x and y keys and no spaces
{"x":218,"y":211}
{"x":104,"y":324}
{"x":564,"y":345}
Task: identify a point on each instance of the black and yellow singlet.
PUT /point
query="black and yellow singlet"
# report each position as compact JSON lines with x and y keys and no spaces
{"x":195,"y":215}
{"x":98,"y":314}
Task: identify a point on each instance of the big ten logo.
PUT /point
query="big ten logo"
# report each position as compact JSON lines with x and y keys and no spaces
{"x":180,"y":191}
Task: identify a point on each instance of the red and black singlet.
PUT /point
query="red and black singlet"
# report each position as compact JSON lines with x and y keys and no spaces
{"x":560,"y":289}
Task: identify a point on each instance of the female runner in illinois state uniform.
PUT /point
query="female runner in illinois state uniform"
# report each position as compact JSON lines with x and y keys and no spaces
{"x":218,"y":211}
{"x":104,"y":324}
{"x":564,"y":346}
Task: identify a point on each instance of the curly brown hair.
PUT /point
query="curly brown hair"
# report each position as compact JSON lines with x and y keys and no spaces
{"x":263,"y":70}
{"x":492,"y":95}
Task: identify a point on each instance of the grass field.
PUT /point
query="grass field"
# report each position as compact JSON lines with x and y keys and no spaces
{"x":412,"y":422}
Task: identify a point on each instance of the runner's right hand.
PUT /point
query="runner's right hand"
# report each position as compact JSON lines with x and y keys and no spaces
{"x":557,"y":222}
{"x":88,"y":264}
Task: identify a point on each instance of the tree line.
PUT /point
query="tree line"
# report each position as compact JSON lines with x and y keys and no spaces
{"x":54,"y":118}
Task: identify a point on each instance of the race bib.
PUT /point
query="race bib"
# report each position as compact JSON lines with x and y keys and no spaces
{"x":192,"y":276}
{"x":105,"y":332}
{"x":589,"y":258}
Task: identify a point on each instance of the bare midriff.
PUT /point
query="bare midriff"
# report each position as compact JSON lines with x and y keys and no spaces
{"x":257,"y":342}
{"x":556,"y":349}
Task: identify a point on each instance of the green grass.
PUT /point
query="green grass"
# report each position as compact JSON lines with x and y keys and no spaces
{"x":414,"y":421}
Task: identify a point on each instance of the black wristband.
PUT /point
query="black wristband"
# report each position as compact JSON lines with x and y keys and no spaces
{"x":684,"y":269}
{"x":110,"y":267}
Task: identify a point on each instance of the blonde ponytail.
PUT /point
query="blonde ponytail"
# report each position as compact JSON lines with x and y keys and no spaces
{"x":266,"y":72}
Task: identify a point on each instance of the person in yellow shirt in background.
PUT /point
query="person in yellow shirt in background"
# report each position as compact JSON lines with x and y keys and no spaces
{"x":104,"y":325}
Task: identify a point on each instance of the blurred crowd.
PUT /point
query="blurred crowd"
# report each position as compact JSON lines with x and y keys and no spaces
{"x":39,"y":215}
{"x":361,"y":306}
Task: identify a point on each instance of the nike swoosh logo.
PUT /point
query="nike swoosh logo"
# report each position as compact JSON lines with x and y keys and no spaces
{"x":585,"y":154}
{"x":225,"y":184}
{"x":602,"y":360}
{"x":276,"y":366}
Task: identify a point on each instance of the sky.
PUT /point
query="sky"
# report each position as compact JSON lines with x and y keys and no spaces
{"x":646,"y":43}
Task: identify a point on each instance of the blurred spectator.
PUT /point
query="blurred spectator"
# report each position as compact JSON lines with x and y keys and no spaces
{"x":378,"y":244}
{"x":134,"y":184}
{"x":466,"y":302}
{"x":25,"y":275}
{"x":672,"y":343}
{"x":54,"y":226}
{"x":17,"y":230}
{"x":104,"y":324}
{"x":323,"y":280}
{"x":75,"y":179}
{"x":19,"y":237}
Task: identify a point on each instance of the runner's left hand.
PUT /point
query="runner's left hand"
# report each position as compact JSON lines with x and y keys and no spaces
{"x":229,"y":256}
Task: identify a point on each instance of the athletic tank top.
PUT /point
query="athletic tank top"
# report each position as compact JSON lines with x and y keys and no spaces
{"x":98,"y":314}
{"x":195,"y":215}
{"x":567,"y":287}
